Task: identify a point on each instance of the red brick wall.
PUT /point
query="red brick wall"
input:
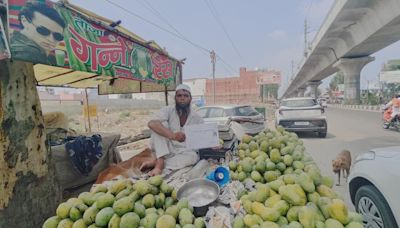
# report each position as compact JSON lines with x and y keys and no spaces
{"x":234,"y":90}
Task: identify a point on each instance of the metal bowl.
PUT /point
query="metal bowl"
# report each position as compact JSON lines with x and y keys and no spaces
{"x":200,"y":193}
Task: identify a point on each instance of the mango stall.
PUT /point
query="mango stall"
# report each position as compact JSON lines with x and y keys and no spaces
{"x":282,"y":187}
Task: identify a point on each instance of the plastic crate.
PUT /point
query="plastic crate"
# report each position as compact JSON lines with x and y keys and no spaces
{"x":213,"y":154}
{"x":219,"y":153}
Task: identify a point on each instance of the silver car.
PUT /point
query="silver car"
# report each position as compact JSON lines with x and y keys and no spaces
{"x":247,"y":116}
{"x":302,"y":114}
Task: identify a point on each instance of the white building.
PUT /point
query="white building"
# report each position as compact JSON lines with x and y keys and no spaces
{"x":198,"y":87}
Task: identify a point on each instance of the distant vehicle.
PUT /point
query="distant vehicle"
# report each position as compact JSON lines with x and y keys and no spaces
{"x":302,"y":114}
{"x":247,"y":116}
{"x":394,"y":123}
{"x":323,"y":102}
{"x":374,"y":189}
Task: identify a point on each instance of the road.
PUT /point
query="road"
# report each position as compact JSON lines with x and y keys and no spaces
{"x":356,"y":131}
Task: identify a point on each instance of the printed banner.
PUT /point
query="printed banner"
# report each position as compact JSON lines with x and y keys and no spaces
{"x":49,"y":33}
{"x":4,"y":49}
{"x":390,"y":76}
{"x":268,"y":77}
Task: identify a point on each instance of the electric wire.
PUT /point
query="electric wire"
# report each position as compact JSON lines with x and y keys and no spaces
{"x":157,"y":26}
{"x":219,"y":21}
{"x":227,"y":66}
{"x":159,"y":15}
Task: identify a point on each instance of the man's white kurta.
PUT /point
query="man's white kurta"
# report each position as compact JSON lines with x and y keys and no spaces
{"x":175,"y":153}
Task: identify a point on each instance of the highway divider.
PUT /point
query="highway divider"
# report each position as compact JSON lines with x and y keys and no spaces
{"x":370,"y":108}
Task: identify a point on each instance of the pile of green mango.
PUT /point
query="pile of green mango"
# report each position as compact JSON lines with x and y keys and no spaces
{"x":148,"y":203}
{"x":290,"y":190}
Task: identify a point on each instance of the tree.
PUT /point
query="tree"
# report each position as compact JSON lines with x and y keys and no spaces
{"x":336,"y":80}
{"x":272,"y":90}
{"x":391,"y":65}
{"x":29,"y":189}
{"x":390,"y":89}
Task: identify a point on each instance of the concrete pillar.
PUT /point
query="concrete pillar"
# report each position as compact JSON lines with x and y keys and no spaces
{"x":301,"y":91}
{"x":351,"y":69}
{"x":314,"y":88}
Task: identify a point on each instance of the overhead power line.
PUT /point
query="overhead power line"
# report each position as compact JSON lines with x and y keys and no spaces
{"x":229,"y":67}
{"x":157,"y":26}
{"x":159,"y":15}
{"x":176,"y":33}
{"x":214,"y":13}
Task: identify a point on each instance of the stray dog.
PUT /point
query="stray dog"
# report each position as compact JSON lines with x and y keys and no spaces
{"x":128,"y":168}
{"x":342,"y":164}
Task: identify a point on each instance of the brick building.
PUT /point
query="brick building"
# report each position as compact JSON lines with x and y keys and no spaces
{"x":236,"y":90}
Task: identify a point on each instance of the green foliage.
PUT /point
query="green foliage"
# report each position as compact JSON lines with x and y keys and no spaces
{"x":336,"y":80}
{"x":391,"y":65}
{"x":272,"y":90}
{"x":390,"y":89}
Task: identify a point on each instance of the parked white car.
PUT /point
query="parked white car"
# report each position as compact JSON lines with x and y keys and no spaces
{"x":302,"y":114}
{"x":247,"y":116}
{"x":374,"y":187}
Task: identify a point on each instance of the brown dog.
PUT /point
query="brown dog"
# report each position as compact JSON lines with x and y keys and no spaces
{"x":342,"y":164}
{"x":128,"y":168}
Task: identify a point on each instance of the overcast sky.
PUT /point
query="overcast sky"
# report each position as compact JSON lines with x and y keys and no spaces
{"x":258,"y":33}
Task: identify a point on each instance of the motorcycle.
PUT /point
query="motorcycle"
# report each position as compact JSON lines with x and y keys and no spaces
{"x":393,"y":123}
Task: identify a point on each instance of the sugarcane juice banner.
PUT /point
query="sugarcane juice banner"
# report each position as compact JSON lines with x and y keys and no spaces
{"x":50,"y":33}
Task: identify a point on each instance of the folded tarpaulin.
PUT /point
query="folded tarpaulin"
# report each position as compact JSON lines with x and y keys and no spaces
{"x":84,"y":152}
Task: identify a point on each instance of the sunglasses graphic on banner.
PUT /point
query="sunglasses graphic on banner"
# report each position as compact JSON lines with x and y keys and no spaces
{"x":46,"y":32}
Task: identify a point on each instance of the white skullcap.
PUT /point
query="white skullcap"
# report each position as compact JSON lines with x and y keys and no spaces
{"x":184,"y":87}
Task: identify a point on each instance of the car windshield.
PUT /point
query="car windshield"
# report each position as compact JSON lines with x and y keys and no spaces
{"x":202,"y":112}
{"x":244,"y":111}
{"x":299,"y":103}
{"x":212,"y":112}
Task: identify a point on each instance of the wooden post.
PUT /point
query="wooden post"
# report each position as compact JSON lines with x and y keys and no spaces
{"x":29,"y":190}
{"x":166,"y":95}
{"x":83,"y":102}
{"x":87,"y":110}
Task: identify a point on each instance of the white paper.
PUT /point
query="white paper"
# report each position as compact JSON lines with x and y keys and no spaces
{"x":199,"y":136}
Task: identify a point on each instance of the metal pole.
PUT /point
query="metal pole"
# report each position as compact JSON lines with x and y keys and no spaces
{"x":305,"y":38}
{"x":166,"y":95}
{"x":212,"y":55}
{"x":367,"y":92}
{"x":87,"y":108}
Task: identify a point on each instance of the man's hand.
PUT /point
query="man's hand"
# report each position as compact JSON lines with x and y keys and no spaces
{"x":154,"y":172}
{"x":179,"y":136}
{"x":147,"y":165}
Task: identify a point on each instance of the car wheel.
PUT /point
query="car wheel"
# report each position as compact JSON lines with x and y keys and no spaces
{"x":375,"y":210}
{"x":322,"y":134}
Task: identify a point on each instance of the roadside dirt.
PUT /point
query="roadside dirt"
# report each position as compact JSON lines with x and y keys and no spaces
{"x":126,"y":123}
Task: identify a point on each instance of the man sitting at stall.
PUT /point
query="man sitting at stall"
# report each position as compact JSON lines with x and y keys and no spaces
{"x":168,"y":139}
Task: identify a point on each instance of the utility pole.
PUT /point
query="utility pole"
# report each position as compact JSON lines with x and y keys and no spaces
{"x":291,"y":77}
{"x":305,"y":38}
{"x":368,"y":92}
{"x":213,"y":60}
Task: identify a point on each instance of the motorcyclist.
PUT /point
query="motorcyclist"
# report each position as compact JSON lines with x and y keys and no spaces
{"x":392,"y":108}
